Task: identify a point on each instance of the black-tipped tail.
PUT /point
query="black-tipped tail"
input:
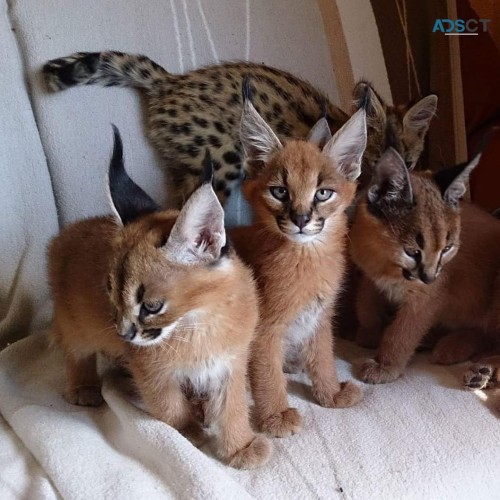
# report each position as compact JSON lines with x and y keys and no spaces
{"x":129,"y":200}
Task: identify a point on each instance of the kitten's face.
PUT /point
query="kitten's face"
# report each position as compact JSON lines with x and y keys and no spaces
{"x":141,"y":284}
{"x":167,"y":265}
{"x":410,"y":243}
{"x":299,"y":192}
{"x":400,"y":127}
{"x":298,"y":189}
{"x":407,"y":226}
{"x":155,"y":296}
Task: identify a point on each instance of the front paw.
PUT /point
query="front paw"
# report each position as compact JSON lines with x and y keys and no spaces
{"x":84,"y":396}
{"x":479,"y":376}
{"x":348,"y":395}
{"x":195,"y":434}
{"x":256,"y":454}
{"x":372,"y":372}
{"x":283,"y":424}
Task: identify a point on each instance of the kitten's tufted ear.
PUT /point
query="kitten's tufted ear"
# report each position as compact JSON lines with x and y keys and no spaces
{"x":257,"y":138}
{"x":128,"y":200}
{"x":452,"y":181}
{"x":366,"y":98}
{"x":320,"y":134}
{"x":391,"y":183}
{"x":198,"y":235}
{"x":418,"y":118}
{"x":347,"y":146}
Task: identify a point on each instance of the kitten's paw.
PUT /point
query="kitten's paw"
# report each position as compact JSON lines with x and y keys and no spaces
{"x":283,"y":424}
{"x":449,"y":351}
{"x":84,"y":396}
{"x":348,"y":395}
{"x":372,"y":372}
{"x":256,"y":454}
{"x":479,"y":376}
{"x":195,"y":434}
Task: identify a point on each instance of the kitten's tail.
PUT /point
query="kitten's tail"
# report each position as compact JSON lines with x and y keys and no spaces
{"x":103,"y":68}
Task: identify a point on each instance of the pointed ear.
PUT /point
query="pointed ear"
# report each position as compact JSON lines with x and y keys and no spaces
{"x":418,"y":118}
{"x":320,"y":134}
{"x":366,"y":98}
{"x":391,"y":183}
{"x":198,"y":235}
{"x":128,"y":200}
{"x":257,"y":138}
{"x":347,"y":146}
{"x":452,"y":181}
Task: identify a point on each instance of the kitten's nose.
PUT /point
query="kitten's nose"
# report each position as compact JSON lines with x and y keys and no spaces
{"x":300,"y":220}
{"x":130,"y":332}
{"x":426,"y":277}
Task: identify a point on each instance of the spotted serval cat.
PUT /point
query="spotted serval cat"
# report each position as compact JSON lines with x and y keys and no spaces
{"x":202,"y":108}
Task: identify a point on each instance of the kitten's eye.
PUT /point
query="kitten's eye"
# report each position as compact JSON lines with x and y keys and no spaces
{"x":447,"y":248}
{"x":279,"y":192}
{"x":408,"y":164}
{"x":323,"y":194}
{"x":152,"y":307}
{"x":414,"y":254}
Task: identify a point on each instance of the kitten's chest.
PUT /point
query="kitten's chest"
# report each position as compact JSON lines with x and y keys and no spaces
{"x":298,"y":279}
{"x":304,"y":326}
{"x":205,"y":378}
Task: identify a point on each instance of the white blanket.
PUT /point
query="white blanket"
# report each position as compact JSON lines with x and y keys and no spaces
{"x":420,"y":437}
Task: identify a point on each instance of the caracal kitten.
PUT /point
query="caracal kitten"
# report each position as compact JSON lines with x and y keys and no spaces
{"x":428,"y":261}
{"x":164,"y":293}
{"x":299,"y":191}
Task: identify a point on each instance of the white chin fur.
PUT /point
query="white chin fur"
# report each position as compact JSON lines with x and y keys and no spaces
{"x":302,"y":238}
{"x":165,"y":334}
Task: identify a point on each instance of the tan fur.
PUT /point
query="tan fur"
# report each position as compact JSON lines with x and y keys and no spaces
{"x":464,"y":298}
{"x":294,"y":277}
{"x":216,"y":306}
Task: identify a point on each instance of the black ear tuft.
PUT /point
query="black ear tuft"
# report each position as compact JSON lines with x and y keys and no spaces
{"x":207,"y":172}
{"x":452,"y":182}
{"x":129,"y":200}
{"x":246,"y":89}
{"x":324,"y":108}
{"x":443,"y":178}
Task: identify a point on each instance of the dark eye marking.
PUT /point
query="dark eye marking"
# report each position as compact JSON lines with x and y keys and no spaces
{"x":139,"y":294}
{"x":108,"y":284}
{"x":320,"y":180}
{"x":420,"y":240}
{"x":152,"y":333}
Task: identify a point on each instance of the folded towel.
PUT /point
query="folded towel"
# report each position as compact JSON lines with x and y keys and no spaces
{"x":419,"y":437}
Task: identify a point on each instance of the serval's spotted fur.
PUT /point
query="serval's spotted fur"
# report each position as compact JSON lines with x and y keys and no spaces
{"x":202,"y":108}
